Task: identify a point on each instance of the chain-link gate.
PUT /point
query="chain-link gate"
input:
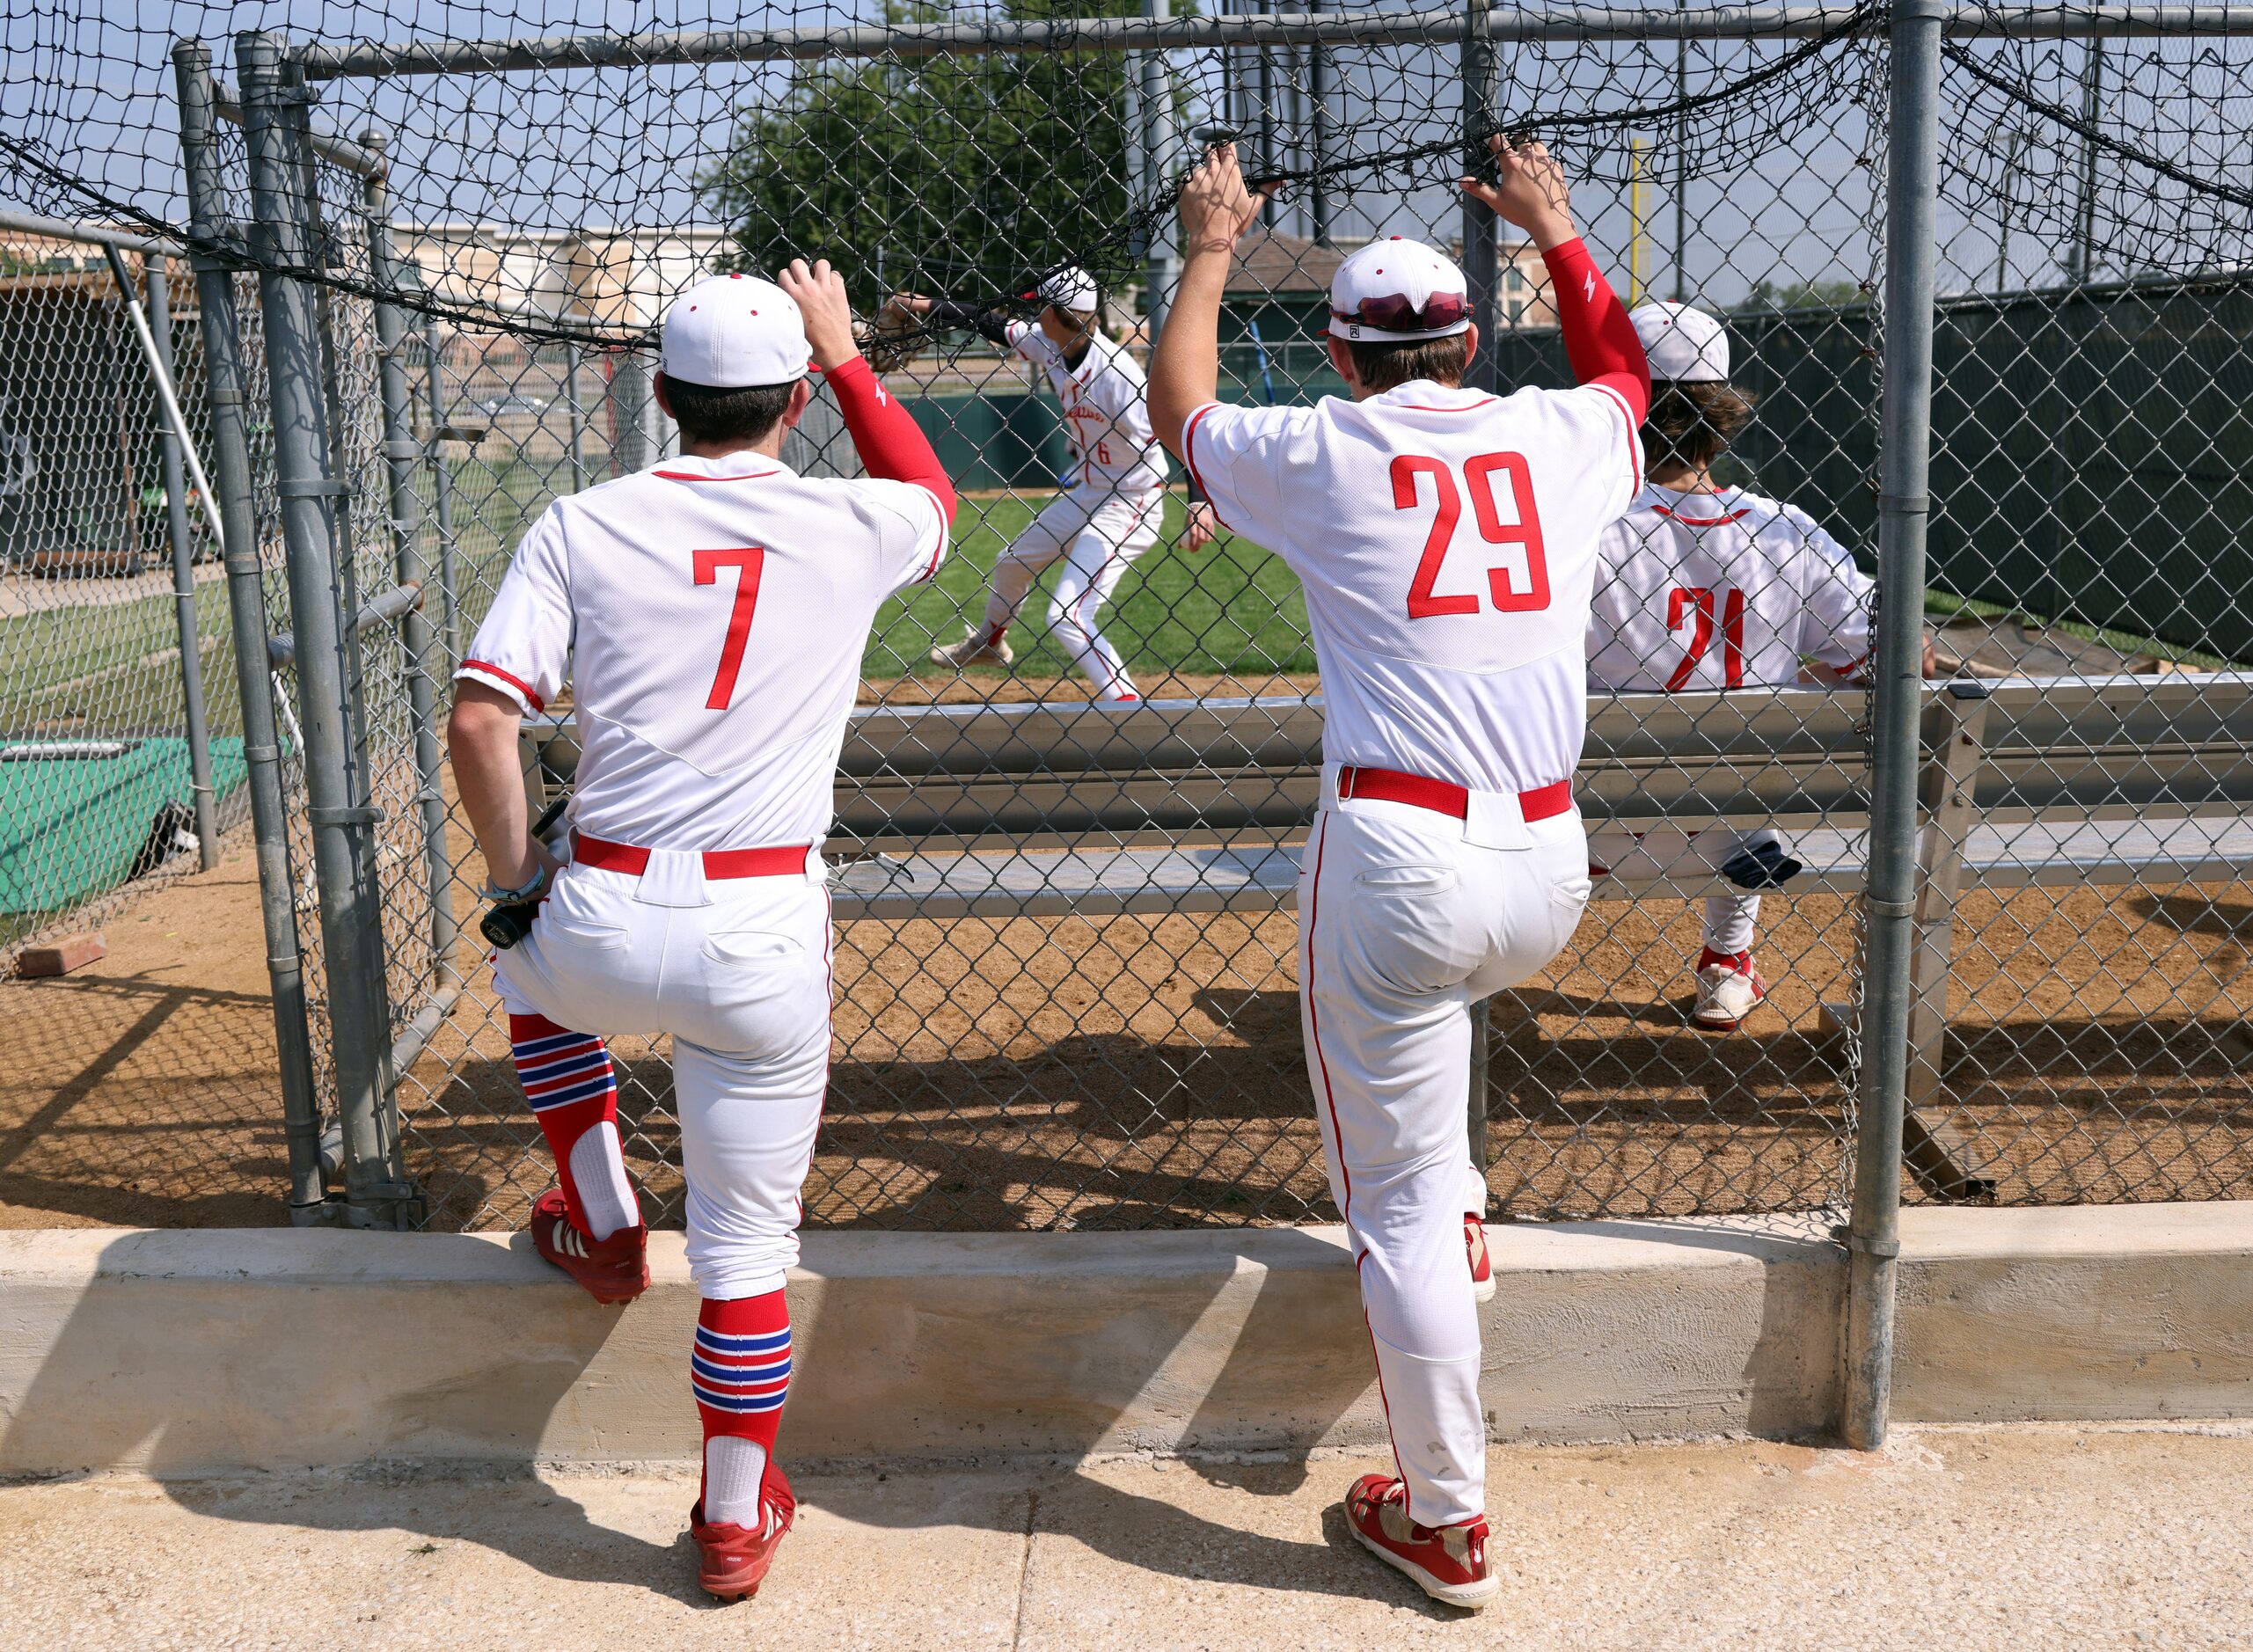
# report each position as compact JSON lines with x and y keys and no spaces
{"x":1066,"y":971}
{"x":110,"y":772}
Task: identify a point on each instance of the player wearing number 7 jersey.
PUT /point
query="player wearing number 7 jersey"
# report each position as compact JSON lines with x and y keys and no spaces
{"x":709,"y":614}
{"x":1446,"y":540}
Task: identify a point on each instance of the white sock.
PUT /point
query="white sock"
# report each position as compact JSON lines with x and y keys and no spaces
{"x":733,"y":1468}
{"x":598,"y":1171}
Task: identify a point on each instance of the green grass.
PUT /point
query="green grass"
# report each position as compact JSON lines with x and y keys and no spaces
{"x":1231,"y":608}
{"x":109,"y":666}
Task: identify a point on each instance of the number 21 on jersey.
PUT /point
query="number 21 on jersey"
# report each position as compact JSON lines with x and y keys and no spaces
{"x":1519,"y":584}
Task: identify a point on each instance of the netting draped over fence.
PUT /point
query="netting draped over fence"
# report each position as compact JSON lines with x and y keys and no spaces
{"x":1065,"y":971}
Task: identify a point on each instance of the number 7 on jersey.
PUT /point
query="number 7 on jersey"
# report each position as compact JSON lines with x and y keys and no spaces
{"x":747,"y":560}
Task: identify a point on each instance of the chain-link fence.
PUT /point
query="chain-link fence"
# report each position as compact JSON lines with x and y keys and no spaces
{"x":1066,"y":971}
{"x":121,"y":754}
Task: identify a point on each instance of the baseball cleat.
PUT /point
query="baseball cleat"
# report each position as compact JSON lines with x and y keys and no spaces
{"x":1475,"y":1241}
{"x":732,"y":1560}
{"x":1729,"y":990}
{"x":1449,"y":1563}
{"x":980,"y":647}
{"x":1128,"y":698}
{"x":613,"y":1271}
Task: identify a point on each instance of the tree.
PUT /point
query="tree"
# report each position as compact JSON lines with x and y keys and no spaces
{"x":966,"y":176}
{"x":1804,"y":295}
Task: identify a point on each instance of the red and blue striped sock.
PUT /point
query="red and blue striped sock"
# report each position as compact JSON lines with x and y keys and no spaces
{"x":572,"y":1089}
{"x":739,"y":1370}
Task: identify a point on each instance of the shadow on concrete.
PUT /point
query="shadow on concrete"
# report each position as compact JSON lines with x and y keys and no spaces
{"x":116,"y":1390}
{"x":135,"y":1380}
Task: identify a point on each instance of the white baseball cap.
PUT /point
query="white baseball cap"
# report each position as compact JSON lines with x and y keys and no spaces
{"x":1070,"y":288}
{"x":1397,"y":288}
{"x":729,"y":332}
{"x":1682,"y":343}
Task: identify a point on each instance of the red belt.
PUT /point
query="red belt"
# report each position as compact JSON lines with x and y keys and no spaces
{"x":718,"y":863}
{"x":1442,"y":797}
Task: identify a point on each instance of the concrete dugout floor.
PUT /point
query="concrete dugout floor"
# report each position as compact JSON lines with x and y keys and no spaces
{"x":2046,"y":1536}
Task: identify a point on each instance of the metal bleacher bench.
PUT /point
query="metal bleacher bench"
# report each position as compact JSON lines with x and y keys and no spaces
{"x":1196,"y":806}
{"x":993,"y":811}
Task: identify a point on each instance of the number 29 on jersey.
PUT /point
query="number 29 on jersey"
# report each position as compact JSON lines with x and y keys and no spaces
{"x":1517,"y":581}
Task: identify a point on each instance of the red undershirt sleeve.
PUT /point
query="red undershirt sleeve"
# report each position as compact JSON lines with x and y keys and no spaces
{"x":1600,"y":340}
{"x":890,"y":441}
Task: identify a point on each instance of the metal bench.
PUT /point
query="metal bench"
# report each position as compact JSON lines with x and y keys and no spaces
{"x":1199,"y":806}
{"x":1196,"y":806}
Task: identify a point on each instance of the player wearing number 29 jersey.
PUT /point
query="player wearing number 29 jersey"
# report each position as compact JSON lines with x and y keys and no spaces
{"x":1446,"y":541}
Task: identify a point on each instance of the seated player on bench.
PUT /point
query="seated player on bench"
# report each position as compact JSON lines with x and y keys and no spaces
{"x":1705,"y":586}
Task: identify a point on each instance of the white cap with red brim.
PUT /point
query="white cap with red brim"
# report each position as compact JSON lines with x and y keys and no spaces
{"x":1070,"y":288}
{"x":1395,"y":291}
{"x":731,"y":332}
{"x":1683,"y":344}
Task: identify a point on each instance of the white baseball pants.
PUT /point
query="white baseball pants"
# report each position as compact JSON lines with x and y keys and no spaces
{"x":1669,"y":851}
{"x":737,"y":971}
{"x":1099,"y":534}
{"x":1404,"y":923}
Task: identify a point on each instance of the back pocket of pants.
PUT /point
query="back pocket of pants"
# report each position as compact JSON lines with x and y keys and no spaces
{"x":1407,"y":881}
{"x":752,"y":948}
{"x":567,"y":928}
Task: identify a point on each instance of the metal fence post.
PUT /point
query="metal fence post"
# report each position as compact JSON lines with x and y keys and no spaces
{"x":1160,"y":157}
{"x":198,"y":733}
{"x":342,"y":819}
{"x":1479,"y":267}
{"x":230,"y":462}
{"x":441,"y":497}
{"x":1911,"y":192}
{"x":401,"y":455}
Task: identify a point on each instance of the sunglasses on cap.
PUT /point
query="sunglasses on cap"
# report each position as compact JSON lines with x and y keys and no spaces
{"x":1398,"y":313}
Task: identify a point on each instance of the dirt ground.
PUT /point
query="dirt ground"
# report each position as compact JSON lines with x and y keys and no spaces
{"x":1136,"y":1072}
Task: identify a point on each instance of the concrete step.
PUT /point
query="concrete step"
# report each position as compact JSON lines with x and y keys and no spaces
{"x":212,"y":1350}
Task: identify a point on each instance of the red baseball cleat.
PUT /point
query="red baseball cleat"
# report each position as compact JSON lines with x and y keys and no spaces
{"x":731,"y":1560}
{"x":614,"y":1271}
{"x":1475,"y":1241}
{"x":1449,"y":1563}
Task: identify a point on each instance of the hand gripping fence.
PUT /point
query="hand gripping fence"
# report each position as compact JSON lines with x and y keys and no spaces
{"x":1999,"y":357}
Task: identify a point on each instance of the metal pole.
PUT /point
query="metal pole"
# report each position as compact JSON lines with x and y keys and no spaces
{"x":2081,"y":257}
{"x":1873,"y":1230}
{"x":442,"y":499}
{"x":1160,"y":156}
{"x":155,"y":337}
{"x":223,"y":371}
{"x":401,"y":455}
{"x":1318,"y":92}
{"x":577,"y":414}
{"x":342,"y":822}
{"x":1479,"y":266}
{"x":1682,"y":175}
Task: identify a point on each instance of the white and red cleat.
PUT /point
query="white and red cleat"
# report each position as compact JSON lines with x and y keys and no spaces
{"x":978,"y":648}
{"x":614,"y":1271}
{"x":732,"y":1560}
{"x":1449,"y":1563}
{"x":1729,"y":990}
{"x":1475,"y":1241}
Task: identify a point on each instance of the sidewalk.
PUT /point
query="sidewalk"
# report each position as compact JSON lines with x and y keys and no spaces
{"x":2055,"y":1538}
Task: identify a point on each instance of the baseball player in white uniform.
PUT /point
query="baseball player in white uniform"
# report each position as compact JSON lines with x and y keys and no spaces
{"x":1706,"y":587}
{"x":1112,"y":499}
{"x":709,"y":614}
{"x":1446,"y":540}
